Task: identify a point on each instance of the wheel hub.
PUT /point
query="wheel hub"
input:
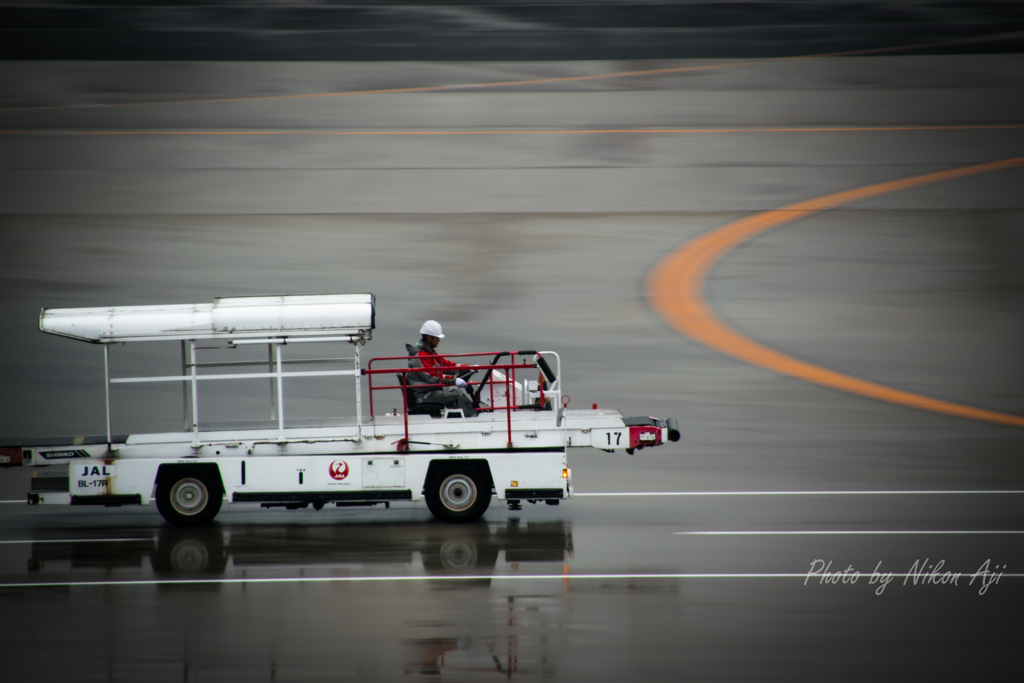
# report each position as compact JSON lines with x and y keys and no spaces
{"x":458,"y":492}
{"x":189,"y":496}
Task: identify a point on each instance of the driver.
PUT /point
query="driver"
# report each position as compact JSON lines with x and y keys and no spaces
{"x":454,"y":394}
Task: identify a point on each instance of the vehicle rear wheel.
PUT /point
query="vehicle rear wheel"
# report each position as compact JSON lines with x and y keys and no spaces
{"x":458,"y":494}
{"x":188,"y":498}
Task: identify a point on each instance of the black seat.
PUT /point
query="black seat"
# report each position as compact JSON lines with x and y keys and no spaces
{"x":414,"y":407}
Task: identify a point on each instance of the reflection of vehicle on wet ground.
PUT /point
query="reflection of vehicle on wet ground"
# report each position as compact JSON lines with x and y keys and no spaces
{"x":450,"y":655}
{"x":515,"y":641}
{"x":211,"y":550}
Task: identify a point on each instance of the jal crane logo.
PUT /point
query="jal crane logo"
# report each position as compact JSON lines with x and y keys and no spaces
{"x":339,"y":469}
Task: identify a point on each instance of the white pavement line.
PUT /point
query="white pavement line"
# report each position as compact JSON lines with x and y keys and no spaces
{"x":791,"y":493}
{"x":830,"y":533}
{"x":79,"y":540}
{"x":386,"y":579}
{"x":11,"y":502}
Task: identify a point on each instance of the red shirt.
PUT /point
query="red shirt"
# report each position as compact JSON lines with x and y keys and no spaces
{"x":430,"y":359}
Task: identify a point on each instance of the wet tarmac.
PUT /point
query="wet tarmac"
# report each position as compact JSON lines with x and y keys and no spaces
{"x":597,"y":589}
{"x":541,"y":240}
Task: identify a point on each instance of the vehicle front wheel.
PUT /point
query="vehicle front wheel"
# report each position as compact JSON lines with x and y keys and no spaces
{"x":189,"y":498}
{"x":458,"y":494}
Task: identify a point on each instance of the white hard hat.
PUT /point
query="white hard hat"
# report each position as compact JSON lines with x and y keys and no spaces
{"x":432,"y":328}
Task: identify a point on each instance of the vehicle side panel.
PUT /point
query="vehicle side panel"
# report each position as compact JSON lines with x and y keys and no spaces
{"x":322,"y":474}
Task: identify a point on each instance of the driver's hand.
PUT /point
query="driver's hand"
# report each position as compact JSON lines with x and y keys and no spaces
{"x":461,"y":383}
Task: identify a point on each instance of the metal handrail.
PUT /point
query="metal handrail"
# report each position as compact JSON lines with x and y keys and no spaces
{"x":190,"y":376}
{"x":510,"y":402}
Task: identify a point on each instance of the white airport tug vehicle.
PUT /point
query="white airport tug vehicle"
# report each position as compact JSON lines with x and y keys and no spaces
{"x":515,"y":448}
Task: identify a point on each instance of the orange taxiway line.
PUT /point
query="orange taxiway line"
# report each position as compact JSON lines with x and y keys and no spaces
{"x":596,"y":131}
{"x":675,"y":291}
{"x":538,"y":81}
{"x":435,"y":88}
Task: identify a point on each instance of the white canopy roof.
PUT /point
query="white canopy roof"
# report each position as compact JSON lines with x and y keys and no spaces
{"x":333,"y":315}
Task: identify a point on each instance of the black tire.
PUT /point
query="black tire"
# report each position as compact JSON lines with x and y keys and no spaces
{"x":189,"y":497}
{"x":458,"y":494}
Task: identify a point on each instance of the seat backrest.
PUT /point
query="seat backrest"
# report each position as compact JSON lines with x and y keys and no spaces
{"x":412,"y":407}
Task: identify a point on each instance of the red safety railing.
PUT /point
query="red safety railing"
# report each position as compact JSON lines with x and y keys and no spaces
{"x":508,"y":369}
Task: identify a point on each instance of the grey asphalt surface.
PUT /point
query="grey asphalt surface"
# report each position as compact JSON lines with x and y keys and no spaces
{"x":545,"y":240}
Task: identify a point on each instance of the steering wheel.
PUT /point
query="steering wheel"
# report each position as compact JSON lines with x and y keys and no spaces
{"x":483,"y":381}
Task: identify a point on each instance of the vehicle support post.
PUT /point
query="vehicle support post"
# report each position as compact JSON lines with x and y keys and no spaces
{"x":405,"y":408}
{"x":184,"y":389}
{"x":106,"y":386}
{"x":195,"y":394}
{"x":359,"y":395}
{"x":273,"y":394}
{"x":280,"y":392}
{"x":508,"y":407}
